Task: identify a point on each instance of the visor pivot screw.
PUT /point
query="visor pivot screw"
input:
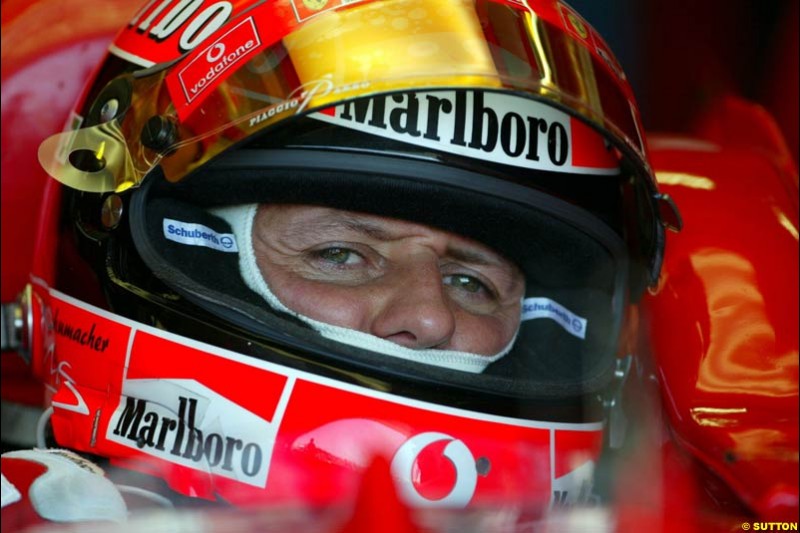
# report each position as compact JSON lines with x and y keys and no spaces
{"x":483,"y":465}
{"x":109,"y":110}
{"x":111,"y":212}
{"x":159,"y":133}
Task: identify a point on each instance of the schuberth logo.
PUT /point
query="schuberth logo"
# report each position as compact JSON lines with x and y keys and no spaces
{"x":487,"y":125}
{"x":207,"y":68}
{"x":545,"y":308}
{"x":198,"y":235}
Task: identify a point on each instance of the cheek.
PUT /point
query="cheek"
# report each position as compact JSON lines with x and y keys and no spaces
{"x":332,"y":304}
{"x":484,"y":334}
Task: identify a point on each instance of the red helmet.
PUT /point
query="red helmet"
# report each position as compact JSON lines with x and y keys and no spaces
{"x":31,"y":111}
{"x":507,"y":123}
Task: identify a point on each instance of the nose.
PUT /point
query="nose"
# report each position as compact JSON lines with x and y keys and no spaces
{"x":415,"y":311}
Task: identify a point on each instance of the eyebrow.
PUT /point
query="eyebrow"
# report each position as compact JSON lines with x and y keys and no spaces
{"x":376,"y":231}
{"x":474,"y":257}
{"x":332,"y":222}
{"x":329,"y":223}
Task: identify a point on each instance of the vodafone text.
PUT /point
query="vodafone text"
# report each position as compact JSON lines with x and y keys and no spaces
{"x":221,"y":63}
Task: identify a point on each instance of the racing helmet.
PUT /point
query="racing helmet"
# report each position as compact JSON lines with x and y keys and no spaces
{"x":506,"y":122}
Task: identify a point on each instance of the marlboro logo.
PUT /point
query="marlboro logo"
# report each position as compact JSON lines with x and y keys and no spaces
{"x":185,"y":423}
{"x":491,"y":126}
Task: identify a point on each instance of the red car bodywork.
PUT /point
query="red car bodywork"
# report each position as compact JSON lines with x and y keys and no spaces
{"x":724,"y":323}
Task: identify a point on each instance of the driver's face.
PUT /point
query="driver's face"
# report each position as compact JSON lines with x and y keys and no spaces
{"x":407,"y":283}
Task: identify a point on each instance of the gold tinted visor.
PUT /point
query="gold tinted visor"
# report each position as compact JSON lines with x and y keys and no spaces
{"x":270,"y":65}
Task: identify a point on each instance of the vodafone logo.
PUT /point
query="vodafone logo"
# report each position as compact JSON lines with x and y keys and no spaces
{"x":404,"y":467}
{"x":215,"y":52}
{"x":215,"y":62}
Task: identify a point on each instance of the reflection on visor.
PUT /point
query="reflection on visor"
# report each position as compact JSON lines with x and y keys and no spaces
{"x":270,"y":65}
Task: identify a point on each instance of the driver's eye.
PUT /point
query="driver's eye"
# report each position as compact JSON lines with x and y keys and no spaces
{"x":467,"y":283}
{"x":340,"y":256}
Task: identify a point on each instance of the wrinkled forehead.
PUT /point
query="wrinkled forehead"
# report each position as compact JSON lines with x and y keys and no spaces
{"x":313,"y":223}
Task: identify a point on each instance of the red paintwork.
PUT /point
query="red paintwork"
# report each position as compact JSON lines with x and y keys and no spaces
{"x":724,"y":324}
{"x":42,"y":78}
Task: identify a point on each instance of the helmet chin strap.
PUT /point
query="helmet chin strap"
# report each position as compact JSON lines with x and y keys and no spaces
{"x":241,"y":220}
